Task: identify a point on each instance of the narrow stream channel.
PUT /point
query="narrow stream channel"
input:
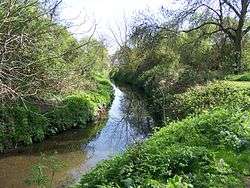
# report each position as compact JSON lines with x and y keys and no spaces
{"x":127,"y":122}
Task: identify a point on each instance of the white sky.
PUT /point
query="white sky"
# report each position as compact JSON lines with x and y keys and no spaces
{"x":106,"y":14}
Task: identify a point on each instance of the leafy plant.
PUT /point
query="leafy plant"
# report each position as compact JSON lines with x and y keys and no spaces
{"x":42,"y":173}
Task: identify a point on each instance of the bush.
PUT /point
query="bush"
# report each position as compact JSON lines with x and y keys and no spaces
{"x":74,"y":111}
{"x":24,"y":124}
{"x":77,"y":109}
{"x":21,"y":125}
{"x":201,"y":98}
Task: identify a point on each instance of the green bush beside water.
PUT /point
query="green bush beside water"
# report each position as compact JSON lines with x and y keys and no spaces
{"x":23,"y":125}
{"x":79,"y":108}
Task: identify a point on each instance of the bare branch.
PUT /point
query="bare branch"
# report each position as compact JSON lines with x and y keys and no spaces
{"x":246,"y":30}
{"x":233,"y":8}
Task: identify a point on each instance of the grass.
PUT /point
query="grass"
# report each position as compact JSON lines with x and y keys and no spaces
{"x":204,"y":144}
{"x":240,"y":77}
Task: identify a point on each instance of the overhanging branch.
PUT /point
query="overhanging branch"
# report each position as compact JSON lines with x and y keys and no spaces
{"x":200,"y":26}
{"x":233,"y":8}
{"x":246,"y":30}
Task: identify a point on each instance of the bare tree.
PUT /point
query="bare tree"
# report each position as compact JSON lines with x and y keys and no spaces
{"x":19,"y":35}
{"x":120,"y":35}
{"x":26,"y":27}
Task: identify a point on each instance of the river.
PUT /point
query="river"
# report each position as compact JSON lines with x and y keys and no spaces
{"x":127,"y":122}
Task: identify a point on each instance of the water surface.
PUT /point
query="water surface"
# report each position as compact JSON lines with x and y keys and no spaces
{"x":127,"y":122}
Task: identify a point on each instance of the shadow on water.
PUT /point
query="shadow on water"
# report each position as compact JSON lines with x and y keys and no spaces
{"x":128,"y":122}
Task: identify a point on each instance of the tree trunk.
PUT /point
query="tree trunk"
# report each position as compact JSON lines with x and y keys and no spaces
{"x":238,"y":55}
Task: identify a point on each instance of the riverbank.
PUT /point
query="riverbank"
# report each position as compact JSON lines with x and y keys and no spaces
{"x":79,"y":150}
{"x":34,"y":120}
{"x":204,"y":141}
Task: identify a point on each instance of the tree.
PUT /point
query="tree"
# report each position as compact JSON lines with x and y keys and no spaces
{"x":36,"y":53}
{"x":24,"y":29}
{"x":227,"y":16}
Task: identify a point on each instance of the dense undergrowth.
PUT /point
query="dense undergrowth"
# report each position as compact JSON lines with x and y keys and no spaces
{"x":50,"y":81}
{"x":25,"y":124}
{"x":204,"y":143}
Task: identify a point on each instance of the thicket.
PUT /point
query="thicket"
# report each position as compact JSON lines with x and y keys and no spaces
{"x":49,"y":81}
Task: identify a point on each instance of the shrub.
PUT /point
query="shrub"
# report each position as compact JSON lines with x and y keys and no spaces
{"x":21,"y":125}
{"x":24,"y":124}
{"x":74,"y":111}
{"x":200,"y":98}
{"x":77,"y":109}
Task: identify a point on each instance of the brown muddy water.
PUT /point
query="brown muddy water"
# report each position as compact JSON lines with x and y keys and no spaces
{"x":80,"y":150}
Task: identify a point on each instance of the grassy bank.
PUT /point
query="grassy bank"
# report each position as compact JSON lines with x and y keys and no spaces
{"x":203,"y":142}
{"x":32,"y":121}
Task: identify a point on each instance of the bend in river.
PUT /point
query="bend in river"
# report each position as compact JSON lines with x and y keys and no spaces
{"x":128,"y":122}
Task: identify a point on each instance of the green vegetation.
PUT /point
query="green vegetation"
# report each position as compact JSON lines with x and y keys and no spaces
{"x":50,"y":82}
{"x":239,"y":77}
{"x":201,"y":98}
{"x":79,"y":108}
{"x":27,"y":124}
{"x":42,"y":173}
{"x":188,"y":75}
{"x":192,"y":64}
{"x":207,"y":150}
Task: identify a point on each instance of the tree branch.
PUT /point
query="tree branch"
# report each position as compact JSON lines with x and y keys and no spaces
{"x":210,"y":8}
{"x":200,"y":26}
{"x":246,"y":30}
{"x":233,"y":8}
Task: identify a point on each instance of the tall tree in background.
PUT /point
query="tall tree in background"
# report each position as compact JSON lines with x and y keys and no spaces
{"x":229,"y":17}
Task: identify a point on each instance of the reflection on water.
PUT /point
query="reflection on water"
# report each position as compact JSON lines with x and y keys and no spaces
{"x":128,"y":122}
{"x":80,"y":150}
